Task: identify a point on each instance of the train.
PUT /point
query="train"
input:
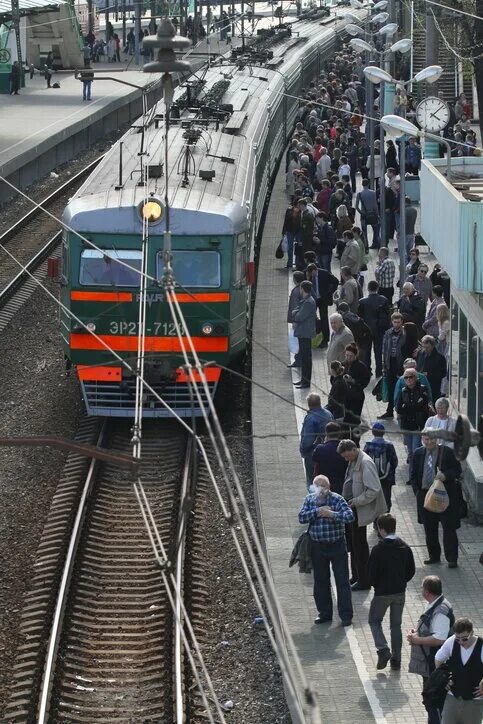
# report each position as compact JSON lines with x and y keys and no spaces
{"x":228,"y":127}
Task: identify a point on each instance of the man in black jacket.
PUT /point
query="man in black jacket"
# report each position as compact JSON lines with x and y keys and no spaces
{"x":391,"y":566}
{"x":411,"y":305}
{"x":324,"y":284}
{"x":433,"y":364}
{"x":429,"y":462}
{"x":374,"y":311}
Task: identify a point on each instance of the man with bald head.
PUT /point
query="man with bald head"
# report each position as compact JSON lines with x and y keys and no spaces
{"x":411,"y":305}
{"x":327,"y":514}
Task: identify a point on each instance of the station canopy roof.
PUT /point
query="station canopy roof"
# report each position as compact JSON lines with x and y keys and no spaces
{"x":26,"y":7}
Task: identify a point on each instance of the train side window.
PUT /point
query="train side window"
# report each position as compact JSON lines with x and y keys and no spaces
{"x":194,"y":268}
{"x":240,"y":267}
{"x":65,"y":264}
{"x":101,"y":268}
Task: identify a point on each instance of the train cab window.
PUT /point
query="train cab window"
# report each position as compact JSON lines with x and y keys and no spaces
{"x":194,"y":268}
{"x":239,"y":271}
{"x":100,"y":268}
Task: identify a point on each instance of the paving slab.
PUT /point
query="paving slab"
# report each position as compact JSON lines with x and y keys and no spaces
{"x":339,"y":662}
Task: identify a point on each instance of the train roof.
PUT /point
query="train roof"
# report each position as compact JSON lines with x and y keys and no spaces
{"x":224,"y":151}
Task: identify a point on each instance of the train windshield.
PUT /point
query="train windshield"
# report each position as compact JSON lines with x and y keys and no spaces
{"x":101,"y":268}
{"x":194,"y":268}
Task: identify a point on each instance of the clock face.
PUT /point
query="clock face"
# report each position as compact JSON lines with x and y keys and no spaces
{"x":432,"y":114}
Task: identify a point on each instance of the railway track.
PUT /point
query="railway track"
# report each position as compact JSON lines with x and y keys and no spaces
{"x":100,"y":639}
{"x":32,"y":240}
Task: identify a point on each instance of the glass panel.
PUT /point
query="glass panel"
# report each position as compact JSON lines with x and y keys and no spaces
{"x":239,"y":274}
{"x":454,"y":341}
{"x":479,"y":409}
{"x":194,"y":268}
{"x":463,"y":366}
{"x":101,"y":268}
{"x":472,"y":374}
{"x":64,"y":263}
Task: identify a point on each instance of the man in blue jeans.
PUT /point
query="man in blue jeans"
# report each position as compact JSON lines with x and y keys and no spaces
{"x":328,"y":513}
{"x":391,"y":566}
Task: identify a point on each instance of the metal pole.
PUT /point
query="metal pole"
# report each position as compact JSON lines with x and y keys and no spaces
{"x":137,"y":31}
{"x":382,"y":180}
{"x":411,"y":66}
{"x":370,"y":124}
{"x":123,"y":23}
{"x":402,"y":213}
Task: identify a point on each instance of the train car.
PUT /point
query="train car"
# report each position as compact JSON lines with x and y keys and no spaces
{"x":227,"y":132}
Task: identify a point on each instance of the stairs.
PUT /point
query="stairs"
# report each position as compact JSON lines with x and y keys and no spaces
{"x":58,"y":31}
{"x":450,"y":82}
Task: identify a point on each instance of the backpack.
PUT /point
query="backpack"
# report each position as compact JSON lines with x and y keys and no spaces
{"x":434,"y":688}
{"x":381,"y":462}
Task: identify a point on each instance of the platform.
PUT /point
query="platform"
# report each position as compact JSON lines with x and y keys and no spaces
{"x":339,"y":662}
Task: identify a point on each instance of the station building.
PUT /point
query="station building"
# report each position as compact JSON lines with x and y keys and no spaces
{"x":452,"y":225}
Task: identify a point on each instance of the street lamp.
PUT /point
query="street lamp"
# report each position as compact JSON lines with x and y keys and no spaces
{"x":380,"y":18}
{"x":381,"y":5}
{"x":379,"y":76}
{"x":388,"y":29}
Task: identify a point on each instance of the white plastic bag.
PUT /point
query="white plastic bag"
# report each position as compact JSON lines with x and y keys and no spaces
{"x":284,"y":244}
{"x":293,"y":343}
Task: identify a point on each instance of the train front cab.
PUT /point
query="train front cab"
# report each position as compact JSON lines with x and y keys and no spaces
{"x":104,"y":296}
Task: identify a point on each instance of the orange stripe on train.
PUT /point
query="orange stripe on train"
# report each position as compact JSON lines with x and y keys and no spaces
{"x":121,"y":343}
{"x":101,"y":296}
{"x":92,"y":373}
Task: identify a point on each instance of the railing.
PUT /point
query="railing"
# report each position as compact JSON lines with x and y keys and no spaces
{"x":452,"y":225}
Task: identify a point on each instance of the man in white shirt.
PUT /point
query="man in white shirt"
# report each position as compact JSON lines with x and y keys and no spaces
{"x":463,"y":654}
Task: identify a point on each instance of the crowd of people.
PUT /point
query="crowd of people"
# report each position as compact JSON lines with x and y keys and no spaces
{"x":407,"y":341}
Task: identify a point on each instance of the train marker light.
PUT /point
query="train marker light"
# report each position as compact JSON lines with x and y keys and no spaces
{"x":207,"y":328}
{"x":152,"y":211}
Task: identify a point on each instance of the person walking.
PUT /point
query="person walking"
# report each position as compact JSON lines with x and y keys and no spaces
{"x":385,"y":459}
{"x":412,"y":409}
{"x":86,"y":77}
{"x":351,"y":254}
{"x":357,"y":376}
{"x":384,"y":273}
{"x":327,"y":460}
{"x":411,"y":216}
{"x":430,"y":324}
{"x":374,"y":311}
{"x":361,"y":332}
{"x":431,"y":632}
{"x":313,"y":428}
{"x":340,"y":337}
{"x":349,"y":291}
{"x":410,"y":363}
{"x":463,"y":654}
{"x":325,"y":242}
{"x":411,"y":305}
{"x":422,"y":284}
{"x":391,"y":567}
{"x":291,"y":228}
{"x":392,"y":360}
{"x":363,"y":492}
{"x":15,"y":78}
{"x":327,"y":514}
{"x":442,"y":420}
{"x":303,"y":318}
{"x":437,"y":462}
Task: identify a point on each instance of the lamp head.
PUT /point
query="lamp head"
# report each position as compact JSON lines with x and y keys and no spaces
{"x":380,"y":18}
{"x":356,"y":4}
{"x":388,"y":29}
{"x":401,"y":46}
{"x":377,"y":75}
{"x":381,"y":5}
{"x":352,"y":29}
{"x":430,"y":74}
{"x":360,"y":45}
{"x":396,"y":126}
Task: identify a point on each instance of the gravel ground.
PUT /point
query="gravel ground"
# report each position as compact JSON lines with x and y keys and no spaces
{"x":239,"y":656}
{"x":14,"y":209}
{"x":36,"y":399}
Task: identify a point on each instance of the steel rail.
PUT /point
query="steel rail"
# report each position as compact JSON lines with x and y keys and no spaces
{"x":56,"y":630}
{"x":29,"y":268}
{"x":179,"y":696}
{"x":30,"y":215}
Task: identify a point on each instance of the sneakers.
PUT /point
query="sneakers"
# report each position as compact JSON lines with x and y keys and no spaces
{"x":431,"y":561}
{"x":383,"y":657}
{"x":322,"y":619}
{"x":452,"y":564}
{"x":395,"y":665}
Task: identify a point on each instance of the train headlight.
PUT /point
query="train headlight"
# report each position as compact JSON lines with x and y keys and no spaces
{"x":152,"y":211}
{"x":207,"y":328}
{"x":91,"y":327}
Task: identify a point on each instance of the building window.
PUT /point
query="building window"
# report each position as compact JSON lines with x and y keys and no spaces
{"x":463,"y":366}
{"x":454,"y":350}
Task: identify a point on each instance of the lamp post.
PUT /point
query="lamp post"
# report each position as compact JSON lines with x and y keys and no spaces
{"x":166,"y":63}
{"x":379,"y":76}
